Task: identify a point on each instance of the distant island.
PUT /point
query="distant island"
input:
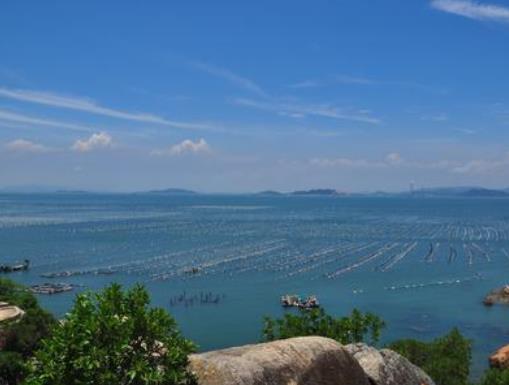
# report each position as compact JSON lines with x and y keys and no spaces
{"x":173,"y":191}
{"x":467,"y":192}
{"x":270,"y":193}
{"x":325,"y":191}
{"x":432,"y":192}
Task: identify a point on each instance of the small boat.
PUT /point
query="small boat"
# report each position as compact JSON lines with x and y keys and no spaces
{"x":17,"y":267}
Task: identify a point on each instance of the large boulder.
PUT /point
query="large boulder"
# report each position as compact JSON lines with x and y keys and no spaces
{"x":497,"y":296}
{"x":386,"y":367}
{"x":295,"y":361}
{"x":500,"y":359}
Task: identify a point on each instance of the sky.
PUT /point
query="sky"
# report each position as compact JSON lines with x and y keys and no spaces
{"x":242,"y":96}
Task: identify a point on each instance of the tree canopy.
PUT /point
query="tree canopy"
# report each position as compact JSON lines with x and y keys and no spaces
{"x":358,"y":327}
{"x":445,"y":359}
{"x":113,"y":337}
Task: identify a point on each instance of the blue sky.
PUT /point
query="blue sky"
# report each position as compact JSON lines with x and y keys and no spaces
{"x":242,"y":96}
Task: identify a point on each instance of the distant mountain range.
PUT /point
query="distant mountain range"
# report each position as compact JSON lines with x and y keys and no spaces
{"x":463,"y":191}
{"x":460,"y":192}
{"x":173,"y":191}
{"x":323,"y":191}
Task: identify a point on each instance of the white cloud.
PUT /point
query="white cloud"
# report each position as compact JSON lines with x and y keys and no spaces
{"x":346,"y":79}
{"x":306,"y":84}
{"x":233,"y":78}
{"x":22,"y":145}
{"x":302,"y":110}
{"x":473,"y":9}
{"x":24,"y":119}
{"x":95,"y":141}
{"x":346,"y":163}
{"x":90,"y":106}
{"x":394,"y":158}
{"x":186,"y":146}
{"x":483,"y":166}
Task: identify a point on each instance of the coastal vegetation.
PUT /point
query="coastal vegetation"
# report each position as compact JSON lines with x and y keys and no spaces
{"x":446,"y":359}
{"x":358,"y":327}
{"x":113,"y":337}
{"x":21,"y":337}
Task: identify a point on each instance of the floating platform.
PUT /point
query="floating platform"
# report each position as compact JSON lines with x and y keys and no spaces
{"x":293,"y":300}
{"x":51,"y":288}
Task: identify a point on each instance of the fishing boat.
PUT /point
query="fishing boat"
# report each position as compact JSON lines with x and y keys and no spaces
{"x":17,"y":267}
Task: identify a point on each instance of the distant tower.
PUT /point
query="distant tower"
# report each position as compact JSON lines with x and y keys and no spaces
{"x":412,"y":187}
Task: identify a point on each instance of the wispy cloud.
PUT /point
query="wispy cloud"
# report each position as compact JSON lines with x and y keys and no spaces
{"x":483,"y":166}
{"x":346,"y":163}
{"x":391,"y":160}
{"x":23,"y":145}
{"x":232,"y":77}
{"x":302,"y":110}
{"x":94,"y":142}
{"x":364,"y":81}
{"x":8,"y":116}
{"x":435,"y":118}
{"x":90,"y":106}
{"x":473,"y":9}
{"x":294,"y":110}
{"x":186,"y":146}
{"x":353,"y":80}
{"x":395,"y":160}
{"x":338,"y":79}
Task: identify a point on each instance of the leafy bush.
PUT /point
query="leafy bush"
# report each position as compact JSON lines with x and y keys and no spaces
{"x":12,"y":369}
{"x":445,"y":359}
{"x":495,"y":377}
{"x":316,"y":322}
{"x":113,"y":337}
{"x":19,"y":338}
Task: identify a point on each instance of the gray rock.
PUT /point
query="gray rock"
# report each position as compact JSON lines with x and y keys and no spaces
{"x":386,"y":367}
{"x":295,"y":361}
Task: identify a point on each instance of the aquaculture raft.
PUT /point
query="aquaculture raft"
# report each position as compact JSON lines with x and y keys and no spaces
{"x":51,"y":288}
{"x":292,"y":300}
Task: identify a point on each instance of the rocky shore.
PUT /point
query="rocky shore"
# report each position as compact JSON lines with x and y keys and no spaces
{"x":497,"y":296}
{"x":305,"y":361}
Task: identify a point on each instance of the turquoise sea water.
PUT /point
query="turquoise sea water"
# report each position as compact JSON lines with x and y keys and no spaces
{"x":424,"y":265}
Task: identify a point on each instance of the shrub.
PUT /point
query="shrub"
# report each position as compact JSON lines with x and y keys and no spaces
{"x":113,"y":337}
{"x":445,"y":359}
{"x":316,"y":322}
{"x":12,"y":369}
{"x":19,"y":338}
{"x":495,"y":377}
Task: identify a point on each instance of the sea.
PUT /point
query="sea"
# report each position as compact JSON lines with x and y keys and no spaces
{"x":220,"y":263}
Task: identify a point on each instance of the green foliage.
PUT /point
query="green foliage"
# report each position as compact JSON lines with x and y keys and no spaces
{"x":495,"y":377}
{"x":16,"y":294}
{"x":445,"y":359}
{"x":12,"y":369}
{"x":113,"y":337}
{"x":19,"y":338}
{"x":316,"y":322}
